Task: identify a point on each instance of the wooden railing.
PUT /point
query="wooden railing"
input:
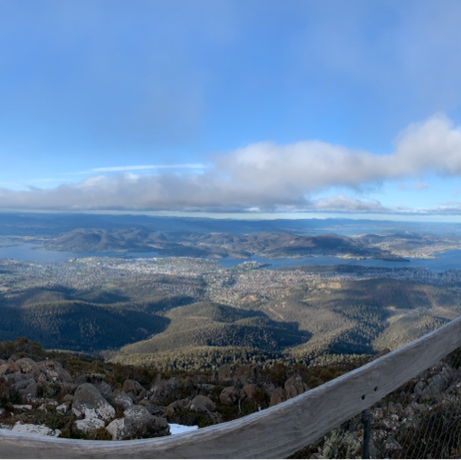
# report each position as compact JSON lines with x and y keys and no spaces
{"x":276,"y":432}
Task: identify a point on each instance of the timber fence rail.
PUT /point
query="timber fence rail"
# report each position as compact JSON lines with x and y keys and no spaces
{"x":277,"y":432}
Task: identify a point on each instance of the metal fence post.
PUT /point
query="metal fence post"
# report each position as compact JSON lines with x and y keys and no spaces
{"x":366,"y":433}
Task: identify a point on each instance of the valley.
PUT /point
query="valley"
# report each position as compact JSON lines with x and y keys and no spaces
{"x":178,"y":306}
{"x":194,"y":313}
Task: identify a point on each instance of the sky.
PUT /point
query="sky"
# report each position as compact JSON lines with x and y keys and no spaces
{"x":231,"y":106}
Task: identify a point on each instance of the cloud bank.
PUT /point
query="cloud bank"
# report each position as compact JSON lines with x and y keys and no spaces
{"x":265,"y":176}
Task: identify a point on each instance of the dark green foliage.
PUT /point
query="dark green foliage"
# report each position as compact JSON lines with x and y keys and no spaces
{"x":54,"y":321}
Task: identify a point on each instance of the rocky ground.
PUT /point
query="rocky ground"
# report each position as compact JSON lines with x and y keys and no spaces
{"x":422,"y":419}
{"x":41,"y":396}
{"x":68,"y":396}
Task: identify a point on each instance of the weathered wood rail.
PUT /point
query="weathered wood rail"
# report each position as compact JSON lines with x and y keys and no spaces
{"x":276,"y":432}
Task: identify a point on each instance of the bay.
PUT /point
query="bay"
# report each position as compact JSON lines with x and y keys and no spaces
{"x":450,"y":260}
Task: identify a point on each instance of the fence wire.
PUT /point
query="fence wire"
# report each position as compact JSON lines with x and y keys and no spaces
{"x":421,"y":419}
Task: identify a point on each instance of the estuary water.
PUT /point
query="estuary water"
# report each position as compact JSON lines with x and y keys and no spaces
{"x":450,"y":260}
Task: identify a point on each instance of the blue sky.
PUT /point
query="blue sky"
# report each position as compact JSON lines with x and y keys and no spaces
{"x":226,"y":106}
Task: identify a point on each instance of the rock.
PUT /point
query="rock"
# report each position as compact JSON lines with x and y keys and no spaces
{"x":89,"y":424}
{"x":294,"y":386}
{"x":434,"y":387}
{"x":88,"y":400}
{"x":409,"y":412}
{"x":391,"y":444}
{"x":229,"y":396}
{"x":224,"y":373}
{"x":27,"y":366}
{"x":68,"y":397}
{"x":23,"y":407}
{"x":248,"y":391}
{"x":12,"y":367}
{"x":246,"y":373}
{"x":19,"y":381}
{"x":171,"y":387}
{"x":30,"y":392}
{"x":120,"y":398}
{"x":132,"y":386}
{"x":202,"y":404}
{"x":105,"y":389}
{"x":392,"y":408}
{"x":181,"y":404}
{"x":277,"y":397}
{"x":153,"y":409}
{"x":64,"y":407}
{"x":35,"y":429}
{"x":138,"y":423}
{"x":53,"y":372}
{"x":419,"y":388}
{"x":4,"y":369}
{"x":117,"y":429}
{"x":205,"y":386}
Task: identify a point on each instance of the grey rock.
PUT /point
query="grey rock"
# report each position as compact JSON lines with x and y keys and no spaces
{"x":153,"y":409}
{"x":202,"y":404}
{"x":277,"y":397}
{"x":30,"y":392}
{"x":181,"y":404}
{"x":132,"y":386}
{"x":105,"y":389}
{"x":138,"y":423}
{"x":246,"y":373}
{"x":224,"y":373}
{"x":229,"y":396}
{"x":64,"y":407}
{"x":89,"y":424}
{"x":89,"y":403}
{"x":35,"y":429}
{"x":391,"y":444}
{"x":12,"y":367}
{"x":27,"y":366}
{"x":248,"y":391}
{"x":294,"y":386}
{"x":120,"y":398}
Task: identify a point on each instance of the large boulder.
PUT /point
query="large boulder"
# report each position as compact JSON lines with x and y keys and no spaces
{"x":89,"y":424}
{"x":50,"y":371}
{"x":4,"y":368}
{"x":248,"y":391}
{"x":277,"y":397}
{"x":224,"y":373}
{"x":89,"y":403}
{"x":176,"y":406}
{"x":27,"y":366}
{"x":120,"y":398}
{"x":229,"y":396}
{"x":138,"y":423}
{"x":202,"y":404}
{"x":295,"y":386}
{"x":105,"y":389}
{"x":132,"y":386}
{"x":12,"y":367}
{"x":246,"y":373}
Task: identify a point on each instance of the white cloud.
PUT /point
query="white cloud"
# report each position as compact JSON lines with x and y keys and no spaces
{"x":265,"y":176}
{"x":146,"y":167}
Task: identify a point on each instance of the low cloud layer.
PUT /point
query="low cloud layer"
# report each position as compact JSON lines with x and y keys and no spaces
{"x":265,"y":176}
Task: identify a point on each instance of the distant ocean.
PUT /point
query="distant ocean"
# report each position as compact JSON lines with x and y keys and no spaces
{"x":450,"y":260}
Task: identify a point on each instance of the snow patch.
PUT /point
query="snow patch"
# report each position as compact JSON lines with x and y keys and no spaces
{"x":177,"y":429}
